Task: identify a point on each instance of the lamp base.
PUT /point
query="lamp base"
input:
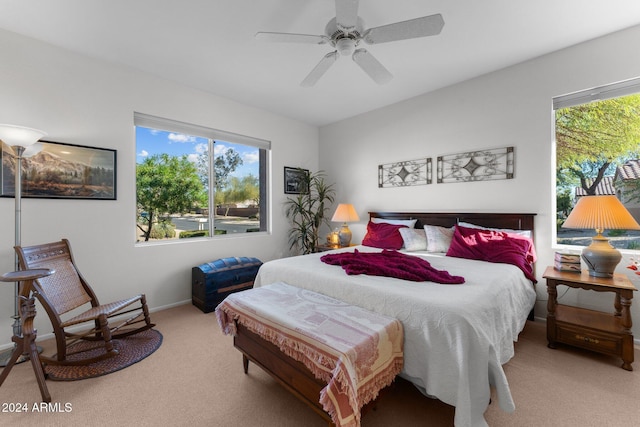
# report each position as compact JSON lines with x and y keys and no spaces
{"x":344,"y":235}
{"x":601,"y":258}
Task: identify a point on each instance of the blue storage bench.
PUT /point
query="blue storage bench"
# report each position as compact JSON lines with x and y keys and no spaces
{"x":213,"y":281}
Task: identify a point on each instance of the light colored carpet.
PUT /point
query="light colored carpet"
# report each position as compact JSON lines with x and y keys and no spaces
{"x":195,"y":378}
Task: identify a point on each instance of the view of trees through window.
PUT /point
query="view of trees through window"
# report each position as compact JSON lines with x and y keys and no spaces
{"x":598,"y":152}
{"x":178,"y":194}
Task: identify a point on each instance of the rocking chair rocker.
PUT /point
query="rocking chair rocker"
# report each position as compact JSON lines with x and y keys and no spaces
{"x":66,"y":290}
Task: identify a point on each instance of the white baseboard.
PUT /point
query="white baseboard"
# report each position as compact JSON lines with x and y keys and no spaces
{"x":165,"y":307}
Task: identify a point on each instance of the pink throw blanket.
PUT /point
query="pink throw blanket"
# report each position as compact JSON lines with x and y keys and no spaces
{"x":390,"y":263}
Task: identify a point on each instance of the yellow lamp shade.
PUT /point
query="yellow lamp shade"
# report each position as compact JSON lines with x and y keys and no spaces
{"x":600,"y":213}
{"x":345,"y":213}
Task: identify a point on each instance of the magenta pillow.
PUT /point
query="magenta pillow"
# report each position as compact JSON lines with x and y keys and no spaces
{"x":383,"y":236}
{"x":494,"y":246}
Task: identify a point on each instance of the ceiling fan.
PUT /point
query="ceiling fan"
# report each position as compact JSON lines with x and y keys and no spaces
{"x":347,"y":30}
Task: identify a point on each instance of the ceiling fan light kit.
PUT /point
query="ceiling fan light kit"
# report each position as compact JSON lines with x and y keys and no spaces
{"x":346,"y":46}
{"x":346,"y":31}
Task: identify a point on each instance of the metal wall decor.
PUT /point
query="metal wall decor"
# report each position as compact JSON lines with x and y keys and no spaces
{"x":402,"y":174}
{"x":481,"y":165}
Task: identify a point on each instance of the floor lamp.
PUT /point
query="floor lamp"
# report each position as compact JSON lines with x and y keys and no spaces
{"x":20,"y":138}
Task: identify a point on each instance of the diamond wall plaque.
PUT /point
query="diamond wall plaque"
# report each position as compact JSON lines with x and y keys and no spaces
{"x":402,"y":174}
{"x":481,"y":165}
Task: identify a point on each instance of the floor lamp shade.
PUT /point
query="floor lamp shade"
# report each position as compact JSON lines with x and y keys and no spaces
{"x":19,"y":135}
{"x":600,"y":213}
{"x":345,"y":213}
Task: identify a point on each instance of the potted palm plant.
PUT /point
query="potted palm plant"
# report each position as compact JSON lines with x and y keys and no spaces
{"x":306,"y":211}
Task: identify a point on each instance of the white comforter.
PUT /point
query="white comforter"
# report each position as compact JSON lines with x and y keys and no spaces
{"x":457,"y":337}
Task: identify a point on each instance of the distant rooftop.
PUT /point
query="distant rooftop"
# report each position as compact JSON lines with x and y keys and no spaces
{"x":605,"y":187}
{"x":629,"y":170}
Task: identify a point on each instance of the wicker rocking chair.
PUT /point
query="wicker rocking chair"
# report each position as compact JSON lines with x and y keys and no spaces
{"x":66,"y":290}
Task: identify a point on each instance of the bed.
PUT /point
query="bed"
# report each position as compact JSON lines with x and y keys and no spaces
{"x":457,"y":336}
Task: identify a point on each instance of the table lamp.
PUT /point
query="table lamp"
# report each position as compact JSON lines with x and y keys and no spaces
{"x":600,"y":213}
{"x":345,"y":213}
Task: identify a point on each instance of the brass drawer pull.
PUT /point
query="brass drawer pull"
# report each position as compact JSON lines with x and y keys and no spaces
{"x":588,"y":339}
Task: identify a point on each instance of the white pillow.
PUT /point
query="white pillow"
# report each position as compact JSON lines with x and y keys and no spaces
{"x":414,"y":239}
{"x":438,"y":238}
{"x":524,"y":233}
{"x":411,"y":223}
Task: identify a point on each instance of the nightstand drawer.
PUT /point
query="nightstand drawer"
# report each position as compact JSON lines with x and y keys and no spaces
{"x":599,"y":341}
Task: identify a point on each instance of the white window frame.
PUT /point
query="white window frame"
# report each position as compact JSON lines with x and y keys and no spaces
{"x":264,"y":146}
{"x":599,"y":93}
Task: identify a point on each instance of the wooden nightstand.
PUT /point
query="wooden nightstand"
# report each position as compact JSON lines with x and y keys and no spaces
{"x":327,"y":247}
{"x":590,"y":329}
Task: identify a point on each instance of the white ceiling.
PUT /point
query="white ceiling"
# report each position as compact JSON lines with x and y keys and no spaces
{"x":210,"y":45}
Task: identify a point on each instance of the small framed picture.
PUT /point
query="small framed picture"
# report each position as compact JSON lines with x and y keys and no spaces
{"x":295,"y":180}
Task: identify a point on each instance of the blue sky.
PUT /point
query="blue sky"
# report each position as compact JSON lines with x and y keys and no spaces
{"x":151,"y":141}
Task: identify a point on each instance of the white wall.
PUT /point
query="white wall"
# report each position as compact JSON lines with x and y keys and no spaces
{"x":79,"y":100}
{"x":510,"y":107}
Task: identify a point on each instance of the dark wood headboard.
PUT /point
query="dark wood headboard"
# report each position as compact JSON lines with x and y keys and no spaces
{"x":515,"y":221}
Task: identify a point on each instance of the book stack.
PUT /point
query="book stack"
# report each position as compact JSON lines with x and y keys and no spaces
{"x":567,"y":262}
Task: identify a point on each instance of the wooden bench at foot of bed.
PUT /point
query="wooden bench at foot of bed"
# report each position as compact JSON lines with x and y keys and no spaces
{"x":333,"y":356}
{"x":293,"y":375}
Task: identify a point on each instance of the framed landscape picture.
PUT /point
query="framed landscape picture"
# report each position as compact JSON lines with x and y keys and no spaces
{"x":63,"y":171}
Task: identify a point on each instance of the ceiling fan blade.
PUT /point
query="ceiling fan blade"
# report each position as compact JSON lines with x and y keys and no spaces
{"x":291,"y":38}
{"x":346,"y":13}
{"x":319,"y":70}
{"x":372,"y":66}
{"x":419,"y":27}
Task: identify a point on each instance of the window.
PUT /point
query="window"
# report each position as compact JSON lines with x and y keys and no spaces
{"x":597,"y":136}
{"x":193,"y":181}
